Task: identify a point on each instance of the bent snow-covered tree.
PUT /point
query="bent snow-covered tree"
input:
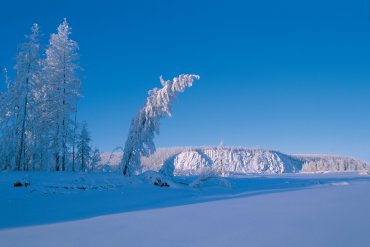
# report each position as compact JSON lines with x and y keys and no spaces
{"x":140,"y":140}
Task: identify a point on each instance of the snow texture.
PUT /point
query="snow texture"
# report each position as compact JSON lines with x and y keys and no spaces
{"x":284,"y":210}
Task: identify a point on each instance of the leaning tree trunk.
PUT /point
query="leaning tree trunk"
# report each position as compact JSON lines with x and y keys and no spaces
{"x":21,"y":142}
{"x":126,"y":166}
{"x":74,"y":143}
{"x":23,"y":128}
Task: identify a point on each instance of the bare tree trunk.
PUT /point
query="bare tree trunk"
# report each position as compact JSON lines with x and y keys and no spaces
{"x":83,"y":158}
{"x":21,"y":147}
{"x":125,"y":168}
{"x":57,"y":152}
{"x":74,"y":143}
{"x":21,"y":142}
{"x":64,"y":145}
{"x":57,"y":162}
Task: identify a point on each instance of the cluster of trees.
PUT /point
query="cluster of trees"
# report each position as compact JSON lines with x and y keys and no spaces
{"x":38,"y":127}
{"x":38,"y":109}
{"x":332,"y":164}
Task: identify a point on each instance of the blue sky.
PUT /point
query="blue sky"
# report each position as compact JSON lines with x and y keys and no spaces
{"x":287,"y":75}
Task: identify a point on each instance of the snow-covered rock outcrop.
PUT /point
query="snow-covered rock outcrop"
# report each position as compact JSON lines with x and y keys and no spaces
{"x":228,"y":161}
{"x":232,"y":161}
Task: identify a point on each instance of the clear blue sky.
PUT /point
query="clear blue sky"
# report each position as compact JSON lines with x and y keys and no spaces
{"x":287,"y":75}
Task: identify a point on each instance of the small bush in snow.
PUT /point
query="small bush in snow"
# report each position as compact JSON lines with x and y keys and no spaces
{"x":208,"y":175}
{"x":156,"y":179}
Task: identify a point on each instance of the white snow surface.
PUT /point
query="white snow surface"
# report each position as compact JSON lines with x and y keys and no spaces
{"x":106,"y":209}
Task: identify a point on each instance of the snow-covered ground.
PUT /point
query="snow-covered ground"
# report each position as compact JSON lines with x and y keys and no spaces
{"x":109,"y":210}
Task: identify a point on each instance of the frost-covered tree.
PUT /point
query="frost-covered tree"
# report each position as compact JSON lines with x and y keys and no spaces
{"x":95,"y":159}
{"x":140,"y":140}
{"x":83,"y":148}
{"x":36,"y":129}
{"x":18,"y":109}
{"x":62,"y":91}
{"x":219,"y":163}
{"x":25,"y":87}
{"x":7,"y":142}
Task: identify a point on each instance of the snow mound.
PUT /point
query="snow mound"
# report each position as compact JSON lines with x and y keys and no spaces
{"x":344,"y":183}
{"x":157,"y":179}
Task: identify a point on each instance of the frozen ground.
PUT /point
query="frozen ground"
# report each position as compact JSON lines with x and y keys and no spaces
{"x":108,"y":210}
